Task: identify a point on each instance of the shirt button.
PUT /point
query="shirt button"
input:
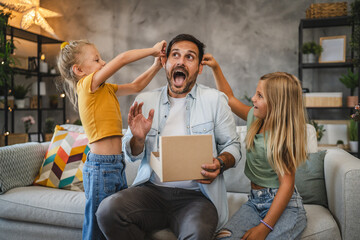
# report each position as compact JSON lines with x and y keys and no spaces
{"x":188,"y":126}
{"x":204,"y":129}
{"x":158,"y":132}
{"x":165,"y":116}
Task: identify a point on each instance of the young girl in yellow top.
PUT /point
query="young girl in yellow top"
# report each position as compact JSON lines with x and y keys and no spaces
{"x":84,"y":74}
{"x":276,"y":146}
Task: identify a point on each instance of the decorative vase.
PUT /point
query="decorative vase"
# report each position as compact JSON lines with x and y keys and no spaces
{"x":53,"y":103}
{"x":353,"y":146}
{"x":20,"y":103}
{"x":312,"y":58}
{"x":351,"y":101}
{"x":306,"y":58}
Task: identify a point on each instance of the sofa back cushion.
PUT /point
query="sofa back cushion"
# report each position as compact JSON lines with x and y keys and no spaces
{"x":19,"y":164}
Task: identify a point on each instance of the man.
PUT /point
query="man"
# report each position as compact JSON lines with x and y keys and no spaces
{"x":191,"y":209}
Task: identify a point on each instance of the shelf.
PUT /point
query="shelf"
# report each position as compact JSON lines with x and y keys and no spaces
{"x":329,"y":108}
{"x":345,"y":22}
{"x":15,"y":34}
{"x":33,"y":73}
{"x":52,"y":109}
{"x":327,"y":65}
{"x":326,"y":22}
{"x":33,"y":37}
{"x":35,"y":109}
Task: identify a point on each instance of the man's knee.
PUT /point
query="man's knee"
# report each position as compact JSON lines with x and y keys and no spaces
{"x":105,"y":213}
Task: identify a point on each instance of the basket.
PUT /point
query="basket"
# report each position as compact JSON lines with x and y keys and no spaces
{"x":326,"y":10}
{"x":323,"y":99}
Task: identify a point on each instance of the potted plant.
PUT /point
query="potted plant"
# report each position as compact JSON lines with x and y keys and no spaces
{"x":311,"y":52}
{"x":351,"y":81}
{"x":319,"y":130}
{"x":353,"y":135}
{"x":77,"y":122}
{"x":6,"y":58}
{"x":28,"y":122}
{"x":53,"y":101}
{"x":353,"y":129}
{"x":49,"y":128}
{"x":19,"y":92}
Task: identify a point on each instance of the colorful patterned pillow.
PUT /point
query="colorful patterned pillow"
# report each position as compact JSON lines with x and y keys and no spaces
{"x":64,"y":160}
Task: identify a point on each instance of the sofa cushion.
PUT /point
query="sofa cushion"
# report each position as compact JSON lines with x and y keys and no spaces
{"x":18,"y":169}
{"x":320,"y":224}
{"x":64,"y":160}
{"x":310,"y":180}
{"x":44,"y":205}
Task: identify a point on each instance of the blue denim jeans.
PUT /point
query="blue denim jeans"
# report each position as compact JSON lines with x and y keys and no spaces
{"x":103,"y":175}
{"x":289,"y":226}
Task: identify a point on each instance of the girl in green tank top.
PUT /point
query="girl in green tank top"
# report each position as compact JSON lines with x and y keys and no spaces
{"x":276,"y":146}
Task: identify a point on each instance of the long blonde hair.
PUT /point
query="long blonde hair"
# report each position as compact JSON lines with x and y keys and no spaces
{"x":68,"y":56}
{"x":285,"y":123}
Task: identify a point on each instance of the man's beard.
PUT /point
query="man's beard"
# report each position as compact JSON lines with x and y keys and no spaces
{"x":188,"y":85}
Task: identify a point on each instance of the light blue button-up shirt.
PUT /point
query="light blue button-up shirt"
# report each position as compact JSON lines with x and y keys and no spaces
{"x":207,"y":112}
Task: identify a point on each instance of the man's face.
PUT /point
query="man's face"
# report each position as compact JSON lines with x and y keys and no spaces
{"x":182,"y":68}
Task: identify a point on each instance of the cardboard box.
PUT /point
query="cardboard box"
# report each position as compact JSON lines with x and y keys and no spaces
{"x":180,"y":157}
{"x":323,"y":99}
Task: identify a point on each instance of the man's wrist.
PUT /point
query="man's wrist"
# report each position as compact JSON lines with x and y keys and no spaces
{"x":222,"y":165}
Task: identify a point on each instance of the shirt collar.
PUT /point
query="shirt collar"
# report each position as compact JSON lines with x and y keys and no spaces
{"x":165,"y":96}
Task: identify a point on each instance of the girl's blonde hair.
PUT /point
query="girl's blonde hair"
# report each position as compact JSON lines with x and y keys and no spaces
{"x":285,"y":123}
{"x":68,"y":56}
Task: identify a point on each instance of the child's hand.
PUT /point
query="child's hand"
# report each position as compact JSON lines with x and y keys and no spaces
{"x":209,"y":60}
{"x":157,"y":63}
{"x":256,"y":233}
{"x":159,"y":49}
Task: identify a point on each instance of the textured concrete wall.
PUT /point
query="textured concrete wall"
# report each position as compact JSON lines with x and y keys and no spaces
{"x":248,"y":38}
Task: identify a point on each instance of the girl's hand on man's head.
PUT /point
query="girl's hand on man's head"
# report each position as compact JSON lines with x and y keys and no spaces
{"x":160,"y":49}
{"x":209,"y":60}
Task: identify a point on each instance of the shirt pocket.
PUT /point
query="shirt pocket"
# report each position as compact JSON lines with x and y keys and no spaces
{"x":152,"y":133}
{"x":151,"y":142}
{"x":203,"y":128}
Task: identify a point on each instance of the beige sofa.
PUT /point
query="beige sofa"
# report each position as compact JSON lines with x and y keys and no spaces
{"x":33,"y":212}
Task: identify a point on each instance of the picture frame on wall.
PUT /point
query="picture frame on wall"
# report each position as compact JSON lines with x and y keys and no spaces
{"x":334,"y":49}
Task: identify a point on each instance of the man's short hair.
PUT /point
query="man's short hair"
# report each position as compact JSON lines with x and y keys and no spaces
{"x":190,"y":38}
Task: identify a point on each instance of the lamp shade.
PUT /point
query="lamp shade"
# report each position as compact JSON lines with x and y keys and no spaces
{"x":34,"y":91}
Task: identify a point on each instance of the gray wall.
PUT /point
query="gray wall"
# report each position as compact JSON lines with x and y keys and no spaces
{"x":248,"y":38}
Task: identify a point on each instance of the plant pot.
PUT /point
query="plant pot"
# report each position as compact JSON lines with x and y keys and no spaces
{"x":352,"y":101}
{"x":353,"y":146}
{"x":305,"y":58}
{"x":20,"y":103}
{"x":311,"y":58}
{"x":53,"y":103}
{"x":48,"y":137}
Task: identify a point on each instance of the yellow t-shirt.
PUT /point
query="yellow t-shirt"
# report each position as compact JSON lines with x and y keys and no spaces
{"x":100,"y":110}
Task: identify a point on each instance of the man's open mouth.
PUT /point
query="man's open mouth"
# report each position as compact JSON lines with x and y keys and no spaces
{"x":179,"y":77}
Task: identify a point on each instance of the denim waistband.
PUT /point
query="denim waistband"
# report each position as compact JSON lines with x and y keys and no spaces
{"x":266,"y":191}
{"x":92,"y":157}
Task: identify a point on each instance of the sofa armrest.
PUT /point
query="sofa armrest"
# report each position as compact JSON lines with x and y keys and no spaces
{"x":342,"y":179}
{"x":20,"y":163}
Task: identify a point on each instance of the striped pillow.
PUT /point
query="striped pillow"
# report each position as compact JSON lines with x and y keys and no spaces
{"x":64,"y":160}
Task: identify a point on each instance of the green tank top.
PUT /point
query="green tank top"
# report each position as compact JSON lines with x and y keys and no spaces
{"x":257,"y":167}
